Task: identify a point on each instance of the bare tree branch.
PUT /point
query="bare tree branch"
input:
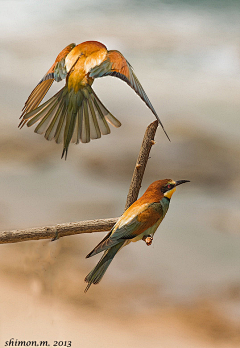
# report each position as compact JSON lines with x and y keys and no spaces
{"x":60,"y":230}
{"x":89,"y":226}
{"x":148,"y":142}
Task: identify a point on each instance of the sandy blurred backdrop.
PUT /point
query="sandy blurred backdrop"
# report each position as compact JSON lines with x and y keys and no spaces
{"x":184,"y":290}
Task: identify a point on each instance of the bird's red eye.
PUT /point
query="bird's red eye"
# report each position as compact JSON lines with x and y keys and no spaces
{"x":169,"y":186}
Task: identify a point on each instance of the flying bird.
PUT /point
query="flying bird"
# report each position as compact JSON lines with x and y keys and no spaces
{"x":139,"y":221}
{"x":75,"y":113}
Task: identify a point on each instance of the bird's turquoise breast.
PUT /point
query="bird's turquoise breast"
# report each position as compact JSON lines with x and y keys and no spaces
{"x":165,"y":205}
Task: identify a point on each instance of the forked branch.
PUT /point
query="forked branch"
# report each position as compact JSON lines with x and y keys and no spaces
{"x":89,"y":226}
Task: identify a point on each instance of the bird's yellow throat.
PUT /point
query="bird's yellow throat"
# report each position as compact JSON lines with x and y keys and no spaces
{"x":169,"y":193}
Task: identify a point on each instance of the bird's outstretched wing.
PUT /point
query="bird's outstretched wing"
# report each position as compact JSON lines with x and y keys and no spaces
{"x":56,"y":72}
{"x":116,"y":65}
{"x":131,"y":224}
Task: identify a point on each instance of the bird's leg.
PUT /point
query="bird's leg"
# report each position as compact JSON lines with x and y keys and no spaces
{"x":147,"y":239}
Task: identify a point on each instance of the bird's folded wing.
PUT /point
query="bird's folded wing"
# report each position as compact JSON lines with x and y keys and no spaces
{"x":131,"y":224}
{"x":43,"y":86}
{"x":136,"y":220}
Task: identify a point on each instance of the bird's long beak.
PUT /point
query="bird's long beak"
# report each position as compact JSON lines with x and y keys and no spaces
{"x":179,"y":182}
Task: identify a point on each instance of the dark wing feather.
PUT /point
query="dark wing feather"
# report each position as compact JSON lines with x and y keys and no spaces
{"x":125,"y":232}
{"x":130,"y":226}
{"x":99,"y":244}
{"x":116,"y":65}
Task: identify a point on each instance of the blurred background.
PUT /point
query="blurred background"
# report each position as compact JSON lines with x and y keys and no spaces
{"x":184,"y":290}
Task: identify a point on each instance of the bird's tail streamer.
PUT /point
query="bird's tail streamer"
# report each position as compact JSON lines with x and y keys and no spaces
{"x":99,"y":270}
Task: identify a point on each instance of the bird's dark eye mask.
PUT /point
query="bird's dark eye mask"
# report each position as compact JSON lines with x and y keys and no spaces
{"x":167,"y":187}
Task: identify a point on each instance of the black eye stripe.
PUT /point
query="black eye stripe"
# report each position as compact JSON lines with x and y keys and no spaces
{"x":167,"y":187}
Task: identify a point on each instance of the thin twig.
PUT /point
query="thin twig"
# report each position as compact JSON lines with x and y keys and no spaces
{"x":89,"y":226}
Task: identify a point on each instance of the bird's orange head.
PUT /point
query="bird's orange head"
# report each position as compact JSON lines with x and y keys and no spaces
{"x":161,"y":188}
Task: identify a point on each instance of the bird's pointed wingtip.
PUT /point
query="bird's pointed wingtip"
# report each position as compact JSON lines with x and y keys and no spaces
{"x":92,"y":253}
{"x":167,"y":135}
{"x":21,"y":123}
{"x":159,"y":122}
{"x":86,"y":289}
{"x":164,"y":130}
{"x":88,"y":285}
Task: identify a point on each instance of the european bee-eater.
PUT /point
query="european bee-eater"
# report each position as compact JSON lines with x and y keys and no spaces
{"x":139,"y":221}
{"x":75,"y":113}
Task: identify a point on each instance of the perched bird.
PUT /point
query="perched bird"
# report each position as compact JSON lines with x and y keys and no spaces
{"x":139,"y":221}
{"x":75,"y":113}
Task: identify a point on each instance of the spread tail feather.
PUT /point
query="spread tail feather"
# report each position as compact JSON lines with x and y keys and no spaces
{"x":99,"y":270}
{"x":70,"y":116}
